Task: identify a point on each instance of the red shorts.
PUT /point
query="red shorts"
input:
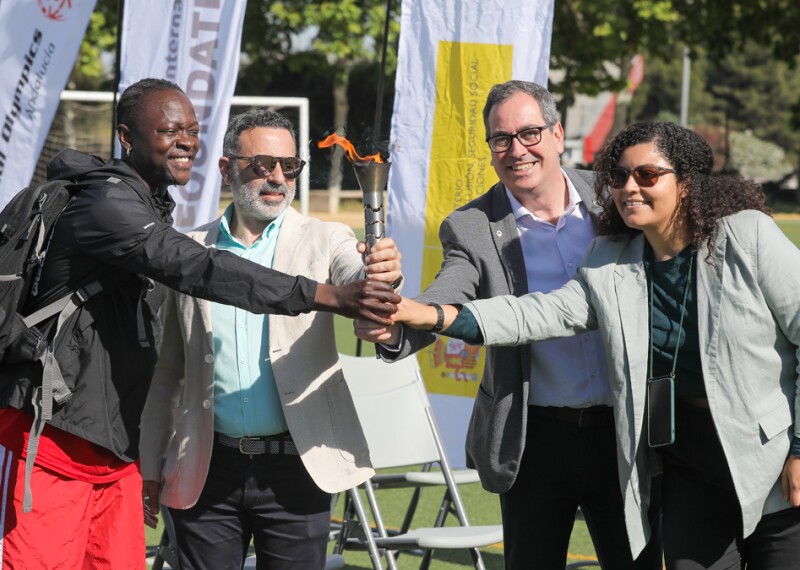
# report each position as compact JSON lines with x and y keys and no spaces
{"x":73,"y":524}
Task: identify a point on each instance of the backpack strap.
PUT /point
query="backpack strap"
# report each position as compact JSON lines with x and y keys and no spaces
{"x":53,"y":387}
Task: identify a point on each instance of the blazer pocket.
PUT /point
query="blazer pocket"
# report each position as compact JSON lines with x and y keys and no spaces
{"x":776,"y":421}
{"x":345,"y":431}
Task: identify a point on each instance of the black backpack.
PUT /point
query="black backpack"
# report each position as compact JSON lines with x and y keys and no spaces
{"x":26,"y":225}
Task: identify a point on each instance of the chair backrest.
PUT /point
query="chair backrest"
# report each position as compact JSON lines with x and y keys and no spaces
{"x":393,"y":409}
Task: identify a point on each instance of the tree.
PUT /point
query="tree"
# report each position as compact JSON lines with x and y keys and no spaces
{"x":594,"y":42}
{"x":588,"y":35}
{"x":349,"y":33}
{"x":744,"y":91}
{"x":100,"y":40}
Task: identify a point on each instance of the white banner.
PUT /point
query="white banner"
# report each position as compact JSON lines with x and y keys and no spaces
{"x":195,"y":44}
{"x":451,"y":53}
{"x":39,"y":41}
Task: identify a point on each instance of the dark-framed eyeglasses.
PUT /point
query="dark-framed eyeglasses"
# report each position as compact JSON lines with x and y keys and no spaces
{"x":645,"y":175}
{"x":527,"y":137}
{"x":263,"y":164}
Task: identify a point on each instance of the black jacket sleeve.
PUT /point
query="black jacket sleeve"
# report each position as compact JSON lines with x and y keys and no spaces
{"x":119,"y":227}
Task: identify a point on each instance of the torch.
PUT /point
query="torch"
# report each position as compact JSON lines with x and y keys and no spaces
{"x":372,"y":174}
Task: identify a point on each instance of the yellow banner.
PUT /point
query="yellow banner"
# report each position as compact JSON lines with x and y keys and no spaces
{"x":459,"y":172}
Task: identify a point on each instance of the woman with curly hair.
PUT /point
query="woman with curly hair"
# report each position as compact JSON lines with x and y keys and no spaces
{"x":694,"y":291}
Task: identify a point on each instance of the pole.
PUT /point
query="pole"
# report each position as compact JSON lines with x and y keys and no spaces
{"x":117,"y":65}
{"x":687,"y":66}
{"x":376,"y":130}
{"x":381,"y":74}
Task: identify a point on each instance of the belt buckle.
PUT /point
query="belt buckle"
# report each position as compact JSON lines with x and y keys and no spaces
{"x":244,"y":440}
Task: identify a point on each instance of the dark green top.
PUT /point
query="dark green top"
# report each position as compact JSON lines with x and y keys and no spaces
{"x":669,"y":282}
{"x":465,"y":327}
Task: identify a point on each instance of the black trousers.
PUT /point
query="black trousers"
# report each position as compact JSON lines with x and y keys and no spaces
{"x":701,"y":514}
{"x":566,"y":466}
{"x":269,"y":498}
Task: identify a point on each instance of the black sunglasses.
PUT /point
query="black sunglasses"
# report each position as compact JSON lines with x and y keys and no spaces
{"x":263,"y":164}
{"x":645,"y":176}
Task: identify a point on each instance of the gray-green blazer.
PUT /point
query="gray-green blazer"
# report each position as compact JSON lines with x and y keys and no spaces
{"x":749,"y":327}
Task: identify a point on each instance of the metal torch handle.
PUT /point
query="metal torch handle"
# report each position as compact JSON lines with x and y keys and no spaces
{"x":373,"y":217}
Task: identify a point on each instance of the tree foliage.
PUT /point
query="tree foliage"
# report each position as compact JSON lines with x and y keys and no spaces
{"x":744,"y":58}
{"x":742,"y":91}
{"x":594,"y":41}
{"x":97,"y":49}
{"x":346,"y":34}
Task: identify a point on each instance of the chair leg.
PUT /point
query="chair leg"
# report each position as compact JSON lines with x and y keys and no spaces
{"x":391,"y":559}
{"x":477,"y":559}
{"x":158,"y":561}
{"x":411,"y":510}
{"x":344,"y":530}
{"x":361,"y":513}
{"x":166,"y":550}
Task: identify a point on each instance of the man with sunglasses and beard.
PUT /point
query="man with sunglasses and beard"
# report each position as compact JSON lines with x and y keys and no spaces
{"x":249,"y":425}
{"x":542,"y":428}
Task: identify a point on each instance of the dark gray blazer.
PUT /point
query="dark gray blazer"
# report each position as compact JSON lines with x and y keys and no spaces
{"x":483,"y":258}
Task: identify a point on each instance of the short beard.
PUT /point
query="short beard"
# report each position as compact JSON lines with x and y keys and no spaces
{"x":246,"y":197}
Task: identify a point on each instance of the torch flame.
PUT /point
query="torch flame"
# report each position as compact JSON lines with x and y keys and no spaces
{"x":348,"y":147}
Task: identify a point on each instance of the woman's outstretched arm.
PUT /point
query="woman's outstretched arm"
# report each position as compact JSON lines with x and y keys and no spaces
{"x":450,"y":320}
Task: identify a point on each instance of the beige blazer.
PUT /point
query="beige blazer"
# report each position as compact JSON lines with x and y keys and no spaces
{"x":749,"y":327}
{"x":178,"y":419}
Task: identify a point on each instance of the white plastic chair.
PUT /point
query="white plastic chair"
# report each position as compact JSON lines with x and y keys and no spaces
{"x":401,"y":431}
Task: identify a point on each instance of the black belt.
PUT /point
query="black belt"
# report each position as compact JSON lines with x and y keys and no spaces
{"x":594,"y":416}
{"x":280,"y":444}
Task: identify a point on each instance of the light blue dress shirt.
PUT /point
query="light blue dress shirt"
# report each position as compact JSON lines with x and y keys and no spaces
{"x":246,"y":401}
{"x":570,"y":371}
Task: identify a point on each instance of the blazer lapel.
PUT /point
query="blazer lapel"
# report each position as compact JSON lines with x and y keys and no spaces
{"x":289,"y":240}
{"x":630,"y":285}
{"x":191,"y":308}
{"x":709,"y":297}
{"x":506,"y":241}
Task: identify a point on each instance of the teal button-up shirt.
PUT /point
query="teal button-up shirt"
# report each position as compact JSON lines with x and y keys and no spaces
{"x":246,"y":401}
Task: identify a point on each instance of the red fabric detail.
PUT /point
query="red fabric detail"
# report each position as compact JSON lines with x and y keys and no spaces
{"x":73,"y":524}
{"x":62,"y":452}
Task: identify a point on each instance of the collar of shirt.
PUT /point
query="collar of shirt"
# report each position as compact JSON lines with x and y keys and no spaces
{"x":226,"y":237}
{"x":521,"y":213}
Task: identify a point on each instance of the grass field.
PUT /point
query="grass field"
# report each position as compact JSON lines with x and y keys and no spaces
{"x":482,"y":507}
{"x":791,"y":227}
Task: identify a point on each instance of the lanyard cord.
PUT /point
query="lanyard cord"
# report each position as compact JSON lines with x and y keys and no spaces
{"x":683,"y":313}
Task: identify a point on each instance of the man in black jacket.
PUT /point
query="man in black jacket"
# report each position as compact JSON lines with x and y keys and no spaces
{"x":86,"y":484}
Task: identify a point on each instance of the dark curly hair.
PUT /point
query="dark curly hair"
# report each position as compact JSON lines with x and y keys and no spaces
{"x":130,"y":102}
{"x":708,"y":197}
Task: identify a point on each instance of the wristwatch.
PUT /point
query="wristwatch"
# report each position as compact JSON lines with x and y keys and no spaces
{"x":439,"y":318}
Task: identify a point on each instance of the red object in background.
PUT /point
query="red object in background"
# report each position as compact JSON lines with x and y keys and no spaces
{"x":636,"y":74}
{"x":595,"y":139}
